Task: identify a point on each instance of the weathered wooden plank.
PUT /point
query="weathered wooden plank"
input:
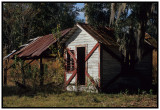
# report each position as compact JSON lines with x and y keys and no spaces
{"x":92,"y":80}
{"x":73,"y":80}
{"x":80,"y":37}
{"x":72,"y":76}
{"x":91,"y":52}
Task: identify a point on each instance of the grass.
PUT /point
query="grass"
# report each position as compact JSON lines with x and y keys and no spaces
{"x":12,"y":98}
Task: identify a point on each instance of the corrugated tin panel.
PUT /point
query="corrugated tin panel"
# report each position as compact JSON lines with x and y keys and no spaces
{"x":105,"y":36}
{"x":39,"y":45}
{"x":102,"y":34}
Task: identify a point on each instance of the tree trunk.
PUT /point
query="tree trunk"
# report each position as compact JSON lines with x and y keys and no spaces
{"x":143,"y":16}
{"x":140,"y":41}
{"x":86,"y":16}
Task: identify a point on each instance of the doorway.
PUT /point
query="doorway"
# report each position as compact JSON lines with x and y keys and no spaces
{"x":81,"y":65}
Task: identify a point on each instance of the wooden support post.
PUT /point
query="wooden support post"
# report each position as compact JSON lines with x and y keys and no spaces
{"x":41,"y":72}
{"x":23,"y":73}
{"x":5,"y":76}
{"x":99,"y":66}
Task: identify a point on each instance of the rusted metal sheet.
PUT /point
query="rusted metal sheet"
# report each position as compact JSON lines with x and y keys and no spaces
{"x":38,"y":46}
{"x":103,"y":35}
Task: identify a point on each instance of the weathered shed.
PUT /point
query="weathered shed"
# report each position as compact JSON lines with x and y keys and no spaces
{"x":92,"y":58}
{"x":93,"y":61}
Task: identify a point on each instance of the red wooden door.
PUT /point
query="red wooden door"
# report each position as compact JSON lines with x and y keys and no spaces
{"x":74,"y":71}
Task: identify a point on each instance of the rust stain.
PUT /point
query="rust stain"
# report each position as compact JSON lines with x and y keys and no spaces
{"x":102,"y":34}
{"x":35,"y":48}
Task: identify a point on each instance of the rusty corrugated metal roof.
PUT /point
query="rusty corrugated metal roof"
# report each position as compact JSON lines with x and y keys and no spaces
{"x":105,"y":36}
{"x":102,"y":34}
{"x":39,"y":45}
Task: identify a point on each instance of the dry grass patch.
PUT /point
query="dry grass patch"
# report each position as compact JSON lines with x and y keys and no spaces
{"x":71,"y":99}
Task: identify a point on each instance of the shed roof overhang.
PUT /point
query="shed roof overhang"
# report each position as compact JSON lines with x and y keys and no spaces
{"x":104,"y":35}
{"x":37,"y":47}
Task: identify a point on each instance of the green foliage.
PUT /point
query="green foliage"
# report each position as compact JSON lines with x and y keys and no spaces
{"x":52,"y":14}
{"x":53,"y":71}
{"x":23,"y":72}
{"x":23,"y":21}
{"x":17,"y":24}
{"x":128,"y":19}
{"x":80,"y":21}
{"x":91,"y":87}
{"x":53,"y":75}
{"x":150,"y":91}
{"x":97,"y":13}
{"x":59,"y":77}
{"x":15,"y":70}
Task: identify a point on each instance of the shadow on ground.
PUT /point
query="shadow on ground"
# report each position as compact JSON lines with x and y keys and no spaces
{"x":30,"y":92}
{"x":130,"y":90}
{"x":16,"y":91}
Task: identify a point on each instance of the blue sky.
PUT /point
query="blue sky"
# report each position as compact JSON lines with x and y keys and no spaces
{"x":81,"y":14}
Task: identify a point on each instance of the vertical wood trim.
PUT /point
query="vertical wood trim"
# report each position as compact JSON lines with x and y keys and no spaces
{"x":76,"y":77}
{"x":91,"y":52}
{"x":86,"y":64}
{"x":92,"y":80}
{"x":23,"y":73}
{"x":65,"y":70}
{"x":71,"y":54}
{"x":101,"y":66}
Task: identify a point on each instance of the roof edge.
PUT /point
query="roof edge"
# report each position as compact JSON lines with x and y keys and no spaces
{"x":86,"y":31}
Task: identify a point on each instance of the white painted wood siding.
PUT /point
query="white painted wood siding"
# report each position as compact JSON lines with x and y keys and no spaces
{"x":81,"y":37}
{"x":111,"y":67}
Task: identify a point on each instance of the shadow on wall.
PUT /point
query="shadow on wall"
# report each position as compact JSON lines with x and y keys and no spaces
{"x":132,"y":83}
